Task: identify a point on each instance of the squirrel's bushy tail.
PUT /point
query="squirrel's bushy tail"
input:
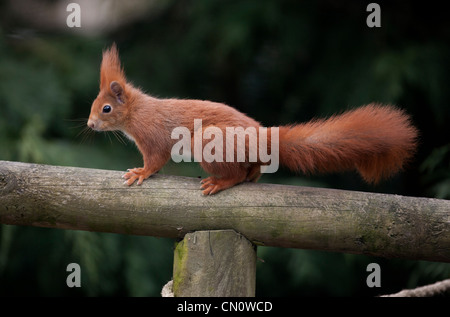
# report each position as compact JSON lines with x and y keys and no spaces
{"x":375,"y":139}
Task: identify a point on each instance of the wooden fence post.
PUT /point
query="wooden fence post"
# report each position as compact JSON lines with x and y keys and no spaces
{"x":214,"y":263}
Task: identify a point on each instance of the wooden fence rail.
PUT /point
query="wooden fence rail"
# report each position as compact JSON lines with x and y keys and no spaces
{"x":272,"y":215}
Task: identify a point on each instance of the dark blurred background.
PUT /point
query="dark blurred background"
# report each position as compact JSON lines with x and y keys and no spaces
{"x":278,"y":61}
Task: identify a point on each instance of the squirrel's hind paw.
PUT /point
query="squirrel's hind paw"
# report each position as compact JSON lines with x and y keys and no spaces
{"x":213,"y":185}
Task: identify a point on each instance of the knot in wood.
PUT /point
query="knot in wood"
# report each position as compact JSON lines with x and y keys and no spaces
{"x":8,"y":181}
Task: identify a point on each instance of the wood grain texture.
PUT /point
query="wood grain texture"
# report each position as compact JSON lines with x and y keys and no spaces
{"x":272,"y":215}
{"x":214,"y":263}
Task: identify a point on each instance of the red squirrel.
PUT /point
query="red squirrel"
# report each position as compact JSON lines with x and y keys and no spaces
{"x":376,"y":140}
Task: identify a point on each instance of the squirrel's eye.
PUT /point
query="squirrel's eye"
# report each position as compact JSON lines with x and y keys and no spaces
{"x":107,"y":109}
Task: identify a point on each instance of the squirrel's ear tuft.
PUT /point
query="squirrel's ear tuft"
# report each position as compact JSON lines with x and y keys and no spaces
{"x":111,"y":70}
{"x":117,"y":90}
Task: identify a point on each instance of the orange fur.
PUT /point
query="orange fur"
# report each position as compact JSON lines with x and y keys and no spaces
{"x":376,"y":140}
{"x":110,"y":69}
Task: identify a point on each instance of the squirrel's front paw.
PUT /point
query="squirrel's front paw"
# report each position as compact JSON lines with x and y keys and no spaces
{"x":134,"y":174}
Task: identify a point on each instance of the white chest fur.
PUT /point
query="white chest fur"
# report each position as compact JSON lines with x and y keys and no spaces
{"x":129,"y":136}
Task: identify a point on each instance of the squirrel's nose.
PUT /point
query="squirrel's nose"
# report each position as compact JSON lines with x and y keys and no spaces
{"x":91,"y":124}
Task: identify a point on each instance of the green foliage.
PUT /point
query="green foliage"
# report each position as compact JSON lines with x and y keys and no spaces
{"x":436,"y":167}
{"x":279,"y":62}
{"x":110,"y":264}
